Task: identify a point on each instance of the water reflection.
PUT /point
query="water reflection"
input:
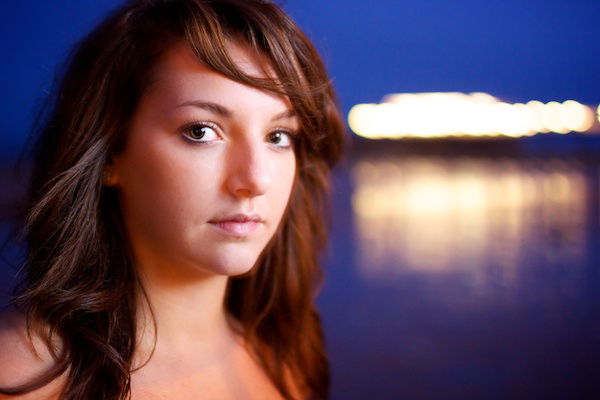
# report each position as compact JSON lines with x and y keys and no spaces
{"x":460,"y":215}
{"x":465,"y":278}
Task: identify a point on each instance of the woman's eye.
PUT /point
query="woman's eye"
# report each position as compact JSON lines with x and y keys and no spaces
{"x":280,"y":139}
{"x":200,"y":132}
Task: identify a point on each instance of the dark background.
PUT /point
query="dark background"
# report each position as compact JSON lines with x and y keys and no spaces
{"x":494,"y":296}
{"x":515,"y":50}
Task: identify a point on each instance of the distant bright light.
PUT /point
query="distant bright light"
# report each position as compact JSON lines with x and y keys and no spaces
{"x":552,"y":117}
{"x":436,"y":114}
{"x":576,"y":117}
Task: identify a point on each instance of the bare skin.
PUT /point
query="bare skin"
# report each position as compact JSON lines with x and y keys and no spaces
{"x":244,"y":163}
{"x":176,"y":189}
{"x":224,"y":372}
{"x":22,"y":360}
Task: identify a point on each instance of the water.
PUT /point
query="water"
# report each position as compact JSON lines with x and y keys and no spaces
{"x":464,"y":278}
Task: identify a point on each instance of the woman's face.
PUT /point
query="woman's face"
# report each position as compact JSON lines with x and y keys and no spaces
{"x":208,"y":168}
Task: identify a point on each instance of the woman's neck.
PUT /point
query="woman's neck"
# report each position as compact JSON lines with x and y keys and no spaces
{"x":183,"y":316}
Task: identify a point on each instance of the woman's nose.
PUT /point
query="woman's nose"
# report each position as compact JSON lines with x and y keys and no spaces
{"x":249,"y":170}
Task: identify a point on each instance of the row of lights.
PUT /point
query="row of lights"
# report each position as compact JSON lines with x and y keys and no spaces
{"x":429,"y":115}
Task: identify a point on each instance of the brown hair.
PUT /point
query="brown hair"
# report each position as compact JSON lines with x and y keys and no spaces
{"x":79,"y":282}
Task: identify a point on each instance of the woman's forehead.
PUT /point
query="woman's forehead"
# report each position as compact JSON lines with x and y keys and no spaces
{"x":180,"y":78}
{"x":182,"y":57}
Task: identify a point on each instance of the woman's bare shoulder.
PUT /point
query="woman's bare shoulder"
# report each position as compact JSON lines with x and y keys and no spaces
{"x":23,"y":359}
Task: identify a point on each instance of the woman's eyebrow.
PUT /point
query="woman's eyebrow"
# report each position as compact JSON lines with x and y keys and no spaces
{"x":208,"y":106}
{"x":287,"y":114}
{"x":225,"y":112}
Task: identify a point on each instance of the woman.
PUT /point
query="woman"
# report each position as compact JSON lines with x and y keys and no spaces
{"x":176,"y":212}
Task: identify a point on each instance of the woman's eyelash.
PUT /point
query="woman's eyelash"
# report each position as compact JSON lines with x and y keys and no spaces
{"x":200,"y":131}
{"x":291,"y":135}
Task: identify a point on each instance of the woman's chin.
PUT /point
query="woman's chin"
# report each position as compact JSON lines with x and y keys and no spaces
{"x":237,"y":271}
{"x":233,"y":266}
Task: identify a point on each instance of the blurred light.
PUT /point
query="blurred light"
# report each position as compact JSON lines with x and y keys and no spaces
{"x":552,"y":117}
{"x":435,"y":215}
{"x":537,"y":109}
{"x":576,"y":117}
{"x":436,"y":114}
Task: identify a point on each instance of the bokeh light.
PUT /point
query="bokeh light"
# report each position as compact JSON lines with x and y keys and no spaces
{"x":434,"y":214}
{"x":436,"y":114}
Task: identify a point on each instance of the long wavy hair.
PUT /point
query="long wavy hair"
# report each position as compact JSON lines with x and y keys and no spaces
{"x":79,"y":283}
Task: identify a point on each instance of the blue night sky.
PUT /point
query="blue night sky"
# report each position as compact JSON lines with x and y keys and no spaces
{"x":517,"y":50}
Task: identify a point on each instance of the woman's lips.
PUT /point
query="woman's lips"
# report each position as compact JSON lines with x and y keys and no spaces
{"x":238,"y":225}
{"x":236,"y":228}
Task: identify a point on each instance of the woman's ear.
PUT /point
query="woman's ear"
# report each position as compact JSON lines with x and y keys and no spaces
{"x":109,"y":174}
